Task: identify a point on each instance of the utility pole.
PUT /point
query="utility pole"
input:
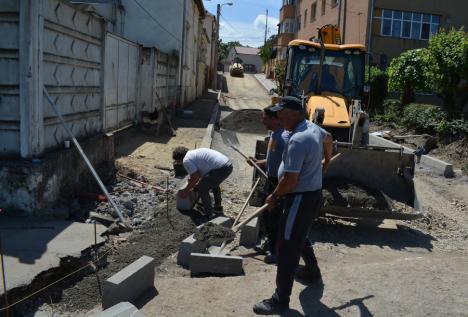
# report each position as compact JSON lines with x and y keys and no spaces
{"x":339,"y":14}
{"x":344,"y":21}
{"x":266,"y":27}
{"x":215,"y":66}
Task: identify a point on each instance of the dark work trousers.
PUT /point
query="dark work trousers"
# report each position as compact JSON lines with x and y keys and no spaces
{"x":271,"y":218}
{"x":211,"y":181}
{"x":299,"y":212}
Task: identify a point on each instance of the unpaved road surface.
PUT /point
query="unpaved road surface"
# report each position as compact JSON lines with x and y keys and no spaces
{"x":396,"y":269}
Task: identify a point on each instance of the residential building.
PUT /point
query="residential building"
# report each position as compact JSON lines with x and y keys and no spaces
{"x":398,"y":26}
{"x":247,"y":56}
{"x":395,"y":25}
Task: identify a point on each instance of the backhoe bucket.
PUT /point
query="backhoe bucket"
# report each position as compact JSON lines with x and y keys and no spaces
{"x":386,"y":174}
{"x":365,"y":182}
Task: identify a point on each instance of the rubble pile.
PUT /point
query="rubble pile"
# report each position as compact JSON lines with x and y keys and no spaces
{"x":137,"y":202}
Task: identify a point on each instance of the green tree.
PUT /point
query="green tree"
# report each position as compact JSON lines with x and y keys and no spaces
{"x":280,"y":76}
{"x":410,"y":72}
{"x":449,"y":59}
{"x":267,"y":49}
{"x":377,"y":79}
{"x":224,"y":48}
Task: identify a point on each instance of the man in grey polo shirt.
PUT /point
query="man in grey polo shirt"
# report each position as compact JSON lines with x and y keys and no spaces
{"x":300,"y":190}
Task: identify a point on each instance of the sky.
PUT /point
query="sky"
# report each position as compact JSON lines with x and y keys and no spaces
{"x":244,"y":21}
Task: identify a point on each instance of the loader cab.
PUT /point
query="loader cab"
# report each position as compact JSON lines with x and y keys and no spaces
{"x":340,"y":69}
{"x":330,"y":78}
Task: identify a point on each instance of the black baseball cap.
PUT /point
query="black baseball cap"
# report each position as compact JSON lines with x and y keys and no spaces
{"x":288,"y":102}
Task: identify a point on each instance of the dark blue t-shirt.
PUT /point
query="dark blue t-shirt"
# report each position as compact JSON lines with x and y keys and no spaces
{"x":278,"y":139}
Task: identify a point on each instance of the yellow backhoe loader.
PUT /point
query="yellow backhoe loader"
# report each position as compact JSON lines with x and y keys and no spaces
{"x":329,"y":77}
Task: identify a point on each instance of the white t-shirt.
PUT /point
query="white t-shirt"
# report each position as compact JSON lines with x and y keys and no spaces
{"x":204,"y":160}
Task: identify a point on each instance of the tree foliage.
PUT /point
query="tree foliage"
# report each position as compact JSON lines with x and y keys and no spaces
{"x":224,"y":48}
{"x":280,"y":76}
{"x":410,"y":72}
{"x":449,"y":61}
{"x":267,"y":49}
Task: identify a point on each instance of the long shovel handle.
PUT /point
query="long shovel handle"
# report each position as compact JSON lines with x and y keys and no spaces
{"x":253,"y":215}
{"x":246,"y":202}
{"x":251,"y":161}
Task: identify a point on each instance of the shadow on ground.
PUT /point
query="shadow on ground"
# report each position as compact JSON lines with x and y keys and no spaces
{"x":312,"y":306}
{"x":369,"y":234}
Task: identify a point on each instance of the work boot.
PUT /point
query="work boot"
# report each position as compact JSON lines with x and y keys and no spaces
{"x":308,"y":276}
{"x":269,"y":307}
{"x":270,"y":258}
{"x":263,"y":247}
{"x":218,"y":210}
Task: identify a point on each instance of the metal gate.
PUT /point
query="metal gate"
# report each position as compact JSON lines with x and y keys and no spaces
{"x":121,"y":63}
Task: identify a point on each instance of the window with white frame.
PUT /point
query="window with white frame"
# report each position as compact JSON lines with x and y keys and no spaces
{"x":410,"y":25}
{"x":287,"y":26}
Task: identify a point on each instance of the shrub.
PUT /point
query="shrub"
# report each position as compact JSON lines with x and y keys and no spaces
{"x":378,"y":82}
{"x":392,"y":109}
{"x":432,"y":119}
{"x":422,"y":117}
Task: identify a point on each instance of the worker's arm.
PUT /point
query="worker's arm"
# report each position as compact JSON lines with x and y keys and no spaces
{"x":327,"y":151}
{"x":260,"y":163}
{"x":192,"y":182}
{"x":285,"y":186}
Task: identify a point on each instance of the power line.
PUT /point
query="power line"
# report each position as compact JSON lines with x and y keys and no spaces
{"x":157,"y":22}
{"x":224,"y":19}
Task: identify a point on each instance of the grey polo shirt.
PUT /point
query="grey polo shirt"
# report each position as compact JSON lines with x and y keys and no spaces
{"x":303,"y":155}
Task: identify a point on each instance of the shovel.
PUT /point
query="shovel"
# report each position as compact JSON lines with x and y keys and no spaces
{"x":237,"y":227}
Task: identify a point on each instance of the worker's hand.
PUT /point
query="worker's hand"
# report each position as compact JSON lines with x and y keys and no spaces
{"x":325,"y":165}
{"x":251,"y":159}
{"x":184,"y":193}
{"x":271,"y":201}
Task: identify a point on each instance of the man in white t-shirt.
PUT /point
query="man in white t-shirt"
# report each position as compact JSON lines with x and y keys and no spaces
{"x":207,"y":169}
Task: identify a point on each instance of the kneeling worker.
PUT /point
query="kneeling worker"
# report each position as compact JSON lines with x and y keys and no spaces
{"x":207,"y":169}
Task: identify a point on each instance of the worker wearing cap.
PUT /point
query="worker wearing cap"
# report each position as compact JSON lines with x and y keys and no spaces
{"x":276,"y":144}
{"x":300,"y":190}
{"x":207,"y":169}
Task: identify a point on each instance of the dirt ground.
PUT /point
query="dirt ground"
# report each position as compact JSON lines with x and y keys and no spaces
{"x":454,"y":151}
{"x":394,"y":268}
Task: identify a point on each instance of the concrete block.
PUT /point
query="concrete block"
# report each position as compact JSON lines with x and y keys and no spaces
{"x":188,"y":246}
{"x":428,"y":161}
{"x":222,"y":221}
{"x":220,"y":264}
{"x":441,"y":167}
{"x":124,"y":309}
{"x":104,"y":219}
{"x":214,"y":250}
{"x":249,"y":233}
{"x":129,"y":283}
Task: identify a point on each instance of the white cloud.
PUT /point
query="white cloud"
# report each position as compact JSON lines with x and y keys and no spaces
{"x":259,"y":22}
{"x":251,"y":34}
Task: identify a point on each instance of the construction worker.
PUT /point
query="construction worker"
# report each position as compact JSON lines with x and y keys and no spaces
{"x":300,"y":191}
{"x":207,"y":169}
{"x":276,"y":143}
